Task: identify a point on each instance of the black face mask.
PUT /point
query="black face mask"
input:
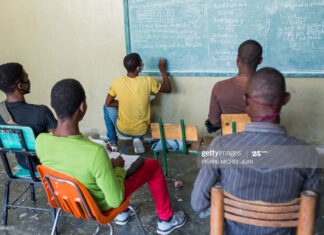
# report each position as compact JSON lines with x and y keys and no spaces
{"x":25,"y":91}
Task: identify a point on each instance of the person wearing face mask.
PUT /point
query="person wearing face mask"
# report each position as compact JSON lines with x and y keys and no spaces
{"x":279,"y":174}
{"x":130,"y":114}
{"x":14,"y":82}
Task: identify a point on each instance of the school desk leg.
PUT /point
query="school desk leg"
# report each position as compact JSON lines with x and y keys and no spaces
{"x":165,"y":168}
{"x":156,"y":155}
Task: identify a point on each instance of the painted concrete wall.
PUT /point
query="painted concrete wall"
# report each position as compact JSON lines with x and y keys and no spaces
{"x":85,"y":40}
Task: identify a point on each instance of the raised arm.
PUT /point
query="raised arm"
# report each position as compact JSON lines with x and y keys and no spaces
{"x":166,"y":85}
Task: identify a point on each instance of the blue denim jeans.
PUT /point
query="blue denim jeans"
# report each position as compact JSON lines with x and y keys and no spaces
{"x":111,"y":116}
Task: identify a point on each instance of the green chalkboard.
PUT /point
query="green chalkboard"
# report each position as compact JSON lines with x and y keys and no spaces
{"x":201,"y":37}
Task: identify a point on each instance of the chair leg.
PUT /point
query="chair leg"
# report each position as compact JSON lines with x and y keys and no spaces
{"x":165,"y":167}
{"x":55,"y":222}
{"x":138,"y":219}
{"x":156,"y":155}
{"x":53,"y":215}
{"x":32,"y":192}
{"x":5,"y":203}
{"x":97,"y":230}
{"x":111,"y":229}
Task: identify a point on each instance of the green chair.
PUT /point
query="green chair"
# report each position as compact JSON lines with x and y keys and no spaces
{"x":19,"y":139}
{"x":176,"y":132}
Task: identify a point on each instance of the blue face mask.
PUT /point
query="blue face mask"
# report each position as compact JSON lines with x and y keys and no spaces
{"x":142,"y":67}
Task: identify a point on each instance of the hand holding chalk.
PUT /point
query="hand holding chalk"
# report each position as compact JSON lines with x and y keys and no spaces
{"x":162,"y":65}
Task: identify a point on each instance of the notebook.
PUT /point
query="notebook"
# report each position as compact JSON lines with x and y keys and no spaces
{"x":129,"y":159}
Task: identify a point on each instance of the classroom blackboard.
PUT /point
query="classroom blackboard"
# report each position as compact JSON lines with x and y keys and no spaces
{"x":201,"y":37}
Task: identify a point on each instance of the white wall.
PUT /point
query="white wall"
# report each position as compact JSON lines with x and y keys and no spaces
{"x":85,"y":40}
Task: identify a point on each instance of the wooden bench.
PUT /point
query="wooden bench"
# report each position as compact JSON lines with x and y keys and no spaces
{"x":233,"y":123}
{"x":176,"y":132}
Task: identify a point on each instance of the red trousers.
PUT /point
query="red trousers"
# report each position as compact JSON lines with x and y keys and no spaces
{"x":152,"y":174}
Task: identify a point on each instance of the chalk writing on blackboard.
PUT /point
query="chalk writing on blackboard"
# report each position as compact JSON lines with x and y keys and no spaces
{"x":202,"y":36}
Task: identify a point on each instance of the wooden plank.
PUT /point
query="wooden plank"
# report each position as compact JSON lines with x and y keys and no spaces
{"x":257,"y":208}
{"x":262,"y":203}
{"x":173,"y":132}
{"x":217,"y":212}
{"x":240,"y":122}
{"x":263,"y":223}
{"x":207,"y":141}
{"x":307,"y":213}
{"x":194,"y":146}
{"x":258,"y":215}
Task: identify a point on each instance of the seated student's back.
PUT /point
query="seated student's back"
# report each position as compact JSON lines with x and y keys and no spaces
{"x":134,"y":95}
{"x":283,"y":167}
{"x":227,"y":95}
{"x":67,"y":151}
{"x":82,"y":159}
{"x":14,"y":82}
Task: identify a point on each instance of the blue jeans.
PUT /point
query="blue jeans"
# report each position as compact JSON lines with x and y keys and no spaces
{"x":111,"y":116}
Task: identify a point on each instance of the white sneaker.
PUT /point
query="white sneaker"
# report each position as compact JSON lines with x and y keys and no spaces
{"x":138,"y":146}
{"x":123,"y":218}
{"x":178,"y":220}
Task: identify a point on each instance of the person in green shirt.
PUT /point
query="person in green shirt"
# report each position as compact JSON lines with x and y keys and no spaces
{"x":67,"y":151}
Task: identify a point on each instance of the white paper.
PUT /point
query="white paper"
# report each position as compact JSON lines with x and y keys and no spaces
{"x":129,"y":159}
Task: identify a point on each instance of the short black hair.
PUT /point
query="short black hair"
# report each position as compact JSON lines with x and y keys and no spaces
{"x":132,"y":61}
{"x":268,"y":84}
{"x":66,"y":97}
{"x":250,"y":53}
{"x":10,"y":75}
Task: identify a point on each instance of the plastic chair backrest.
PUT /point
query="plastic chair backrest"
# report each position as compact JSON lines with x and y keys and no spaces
{"x":66,"y":192}
{"x":10,"y":139}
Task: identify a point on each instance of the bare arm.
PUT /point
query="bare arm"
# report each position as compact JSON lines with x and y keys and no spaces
{"x":166,"y":85}
{"x":111,"y":102}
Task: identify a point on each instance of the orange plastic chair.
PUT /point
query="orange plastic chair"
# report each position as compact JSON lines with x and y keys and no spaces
{"x":66,"y":193}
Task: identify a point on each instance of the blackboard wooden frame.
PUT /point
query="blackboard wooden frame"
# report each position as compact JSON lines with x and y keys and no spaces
{"x":199,"y":74}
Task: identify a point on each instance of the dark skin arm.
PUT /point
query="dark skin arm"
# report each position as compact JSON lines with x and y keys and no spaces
{"x":166,"y":85}
{"x":111,"y":102}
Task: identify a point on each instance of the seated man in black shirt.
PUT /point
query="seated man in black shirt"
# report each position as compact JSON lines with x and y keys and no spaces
{"x":15,"y":84}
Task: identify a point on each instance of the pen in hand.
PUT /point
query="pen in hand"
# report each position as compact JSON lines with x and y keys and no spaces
{"x":121,"y":152}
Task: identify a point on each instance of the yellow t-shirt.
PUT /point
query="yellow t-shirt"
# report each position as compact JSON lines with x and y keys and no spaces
{"x":134,"y":113}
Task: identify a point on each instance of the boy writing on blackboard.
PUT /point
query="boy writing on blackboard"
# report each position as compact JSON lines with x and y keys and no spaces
{"x":130,"y":114}
{"x":227,"y":95}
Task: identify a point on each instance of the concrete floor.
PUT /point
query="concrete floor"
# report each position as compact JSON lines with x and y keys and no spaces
{"x":181,"y":167}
